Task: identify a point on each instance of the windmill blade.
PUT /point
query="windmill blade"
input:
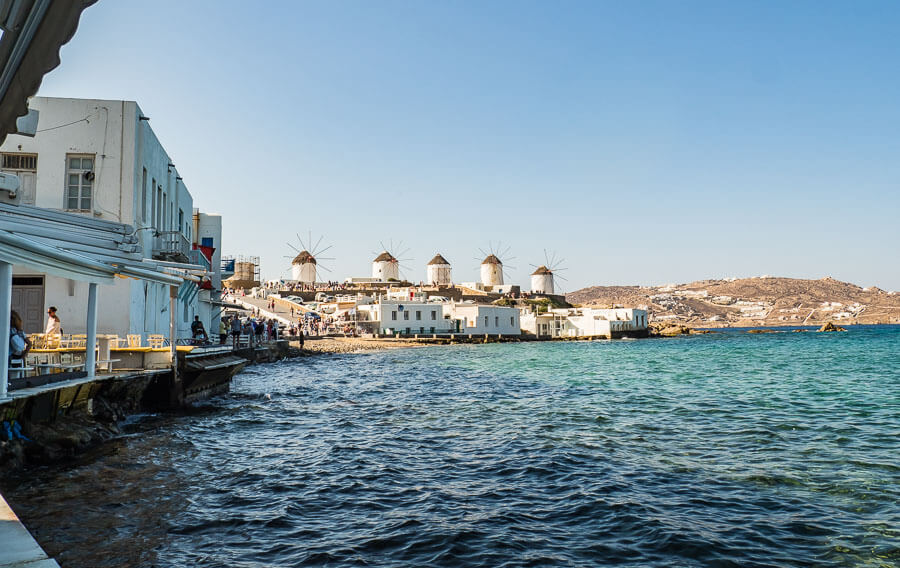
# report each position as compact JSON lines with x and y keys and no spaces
{"x":316,"y":246}
{"x":324,"y":258}
{"x":316,"y":254}
{"x":293,"y":247}
{"x":563,"y":278}
{"x":318,"y":266}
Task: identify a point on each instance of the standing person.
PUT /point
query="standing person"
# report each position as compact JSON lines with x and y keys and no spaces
{"x":235,"y":331}
{"x":54,"y":326}
{"x":260,"y":328}
{"x":223,"y":331}
{"x":301,"y":338}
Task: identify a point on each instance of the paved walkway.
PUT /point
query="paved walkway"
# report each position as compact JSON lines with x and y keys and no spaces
{"x":18,"y":549}
{"x":281,"y":313}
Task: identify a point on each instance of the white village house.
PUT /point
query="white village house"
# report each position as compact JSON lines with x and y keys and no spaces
{"x":586,"y":322}
{"x":418,"y":316}
{"x":100,"y":160}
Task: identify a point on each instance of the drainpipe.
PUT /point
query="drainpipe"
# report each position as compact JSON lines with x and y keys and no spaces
{"x":5,"y":308}
{"x":90,"y":346}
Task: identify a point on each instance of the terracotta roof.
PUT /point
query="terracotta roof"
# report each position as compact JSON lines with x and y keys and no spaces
{"x":542,"y":270}
{"x":304,"y":258}
{"x":384,"y":257}
{"x":438,"y":259}
{"x":491,"y":259}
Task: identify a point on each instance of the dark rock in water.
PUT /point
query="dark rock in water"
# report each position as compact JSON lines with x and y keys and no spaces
{"x":831,"y":327}
{"x":762,"y":331}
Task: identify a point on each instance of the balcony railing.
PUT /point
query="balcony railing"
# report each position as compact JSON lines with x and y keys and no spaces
{"x":171,"y":245}
{"x":197,"y":257}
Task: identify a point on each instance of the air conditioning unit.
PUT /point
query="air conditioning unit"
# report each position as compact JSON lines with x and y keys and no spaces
{"x":9,"y":188}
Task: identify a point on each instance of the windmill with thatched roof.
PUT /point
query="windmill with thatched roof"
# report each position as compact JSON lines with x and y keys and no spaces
{"x":438,"y":271}
{"x":544,"y":277}
{"x":304,"y":266}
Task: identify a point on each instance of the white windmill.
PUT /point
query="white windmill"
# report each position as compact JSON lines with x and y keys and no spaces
{"x":543,"y":279}
{"x":438,"y":271}
{"x":492,"y":267}
{"x":305,"y":265}
{"x":386,"y":266}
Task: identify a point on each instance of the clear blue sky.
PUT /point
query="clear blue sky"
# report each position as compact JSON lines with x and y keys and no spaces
{"x":644,"y":142}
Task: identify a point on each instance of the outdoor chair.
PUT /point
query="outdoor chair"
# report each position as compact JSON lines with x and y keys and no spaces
{"x":133,"y":340}
{"x":156,"y":341}
{"x":52,"y":340}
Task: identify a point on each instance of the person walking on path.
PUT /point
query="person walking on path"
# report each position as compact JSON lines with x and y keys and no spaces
{"x":54,"y":326}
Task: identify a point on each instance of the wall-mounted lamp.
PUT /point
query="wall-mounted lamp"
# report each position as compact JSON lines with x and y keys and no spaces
{"x":144,"y":118}
{"x":171,"y":165}
{"x":178,"y":178}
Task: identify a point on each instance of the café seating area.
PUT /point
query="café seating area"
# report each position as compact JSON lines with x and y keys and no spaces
{"x":66,"y":353}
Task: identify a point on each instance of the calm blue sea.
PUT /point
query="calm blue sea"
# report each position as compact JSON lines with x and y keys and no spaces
{"x":728,"y":449}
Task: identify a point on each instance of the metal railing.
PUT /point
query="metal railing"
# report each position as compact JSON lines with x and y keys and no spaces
{"x":196,"y":256}
{"x":171,"y":243}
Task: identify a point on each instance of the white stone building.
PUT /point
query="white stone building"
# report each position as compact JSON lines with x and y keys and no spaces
{"x":542,"y":280}
{"x":407,"y":317}
{"x":482,"y":319}
{"x":100,"y":159}
{"x":491,"y":271}
{"x":303,"y":268}
{"x":438,"y":271}
{"x":586,"y":322}
{"x":385,"y":268}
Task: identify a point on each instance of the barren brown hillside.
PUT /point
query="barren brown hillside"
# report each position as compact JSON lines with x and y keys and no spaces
{"x":752,"y":301}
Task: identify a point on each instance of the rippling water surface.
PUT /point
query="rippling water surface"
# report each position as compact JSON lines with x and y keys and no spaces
{"x":722,"y":450}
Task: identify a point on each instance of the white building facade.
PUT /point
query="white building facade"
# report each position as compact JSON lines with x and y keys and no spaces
{"x":586,"y":322}
{"x":101,"y":159}
{"x":481,"y":319}
{"x":407,"y":317}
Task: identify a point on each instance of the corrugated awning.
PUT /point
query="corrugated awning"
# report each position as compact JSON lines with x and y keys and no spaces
{"x":81,"y":248}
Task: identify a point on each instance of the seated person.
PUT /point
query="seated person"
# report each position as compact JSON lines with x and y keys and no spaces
{"x":198,"y":332}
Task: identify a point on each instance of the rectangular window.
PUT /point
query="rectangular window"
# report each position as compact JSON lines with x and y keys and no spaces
{"x":433,"y":315}
{"x":79,"y":182}
{"x":181,"y":220}
{"x":512,"y":320}
{"x":496,"y":321}
{"x":393,"y":315}
{"x":143,"y":213}
{"x":421,"y":330}
{"x":24,"y":166}
{"x":418,"y":314}
{"x":432,"y":330}
{"x":406,"y":315}
{"x":21,"y":162}
{"x":486,"y":321}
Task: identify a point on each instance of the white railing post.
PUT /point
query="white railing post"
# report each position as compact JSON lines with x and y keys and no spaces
{"x":90,"y":345}
{"x":5,"y":308}
{"x":173,"y":296}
